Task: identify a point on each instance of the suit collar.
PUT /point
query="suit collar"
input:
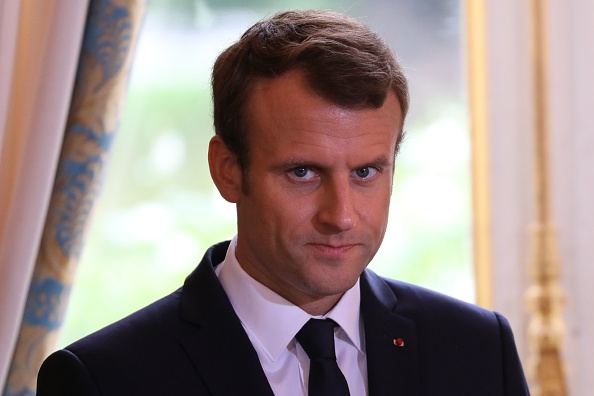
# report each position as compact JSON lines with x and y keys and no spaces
{"x":390,"y":368}
{"x":218,"y":345}
{"x":257,"y":306}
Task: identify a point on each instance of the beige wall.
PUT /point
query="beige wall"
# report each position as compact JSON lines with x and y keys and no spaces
{"x":570,"y":30}
{"x":572,"y":124}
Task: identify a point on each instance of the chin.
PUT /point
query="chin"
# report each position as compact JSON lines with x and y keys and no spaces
{"x":333,"y":287}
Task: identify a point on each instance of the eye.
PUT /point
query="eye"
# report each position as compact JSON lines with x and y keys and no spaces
{"x":365,"y":173}
{"x":302,"y":174}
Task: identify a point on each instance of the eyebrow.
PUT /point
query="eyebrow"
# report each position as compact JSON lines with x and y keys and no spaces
{"x":296,"y":162}
{"x":381,"y":162}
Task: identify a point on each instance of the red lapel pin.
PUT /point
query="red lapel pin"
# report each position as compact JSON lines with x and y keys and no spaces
{"x":399,"y":342}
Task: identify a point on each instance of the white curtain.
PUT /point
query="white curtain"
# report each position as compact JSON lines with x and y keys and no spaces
{"x":39,"y":49}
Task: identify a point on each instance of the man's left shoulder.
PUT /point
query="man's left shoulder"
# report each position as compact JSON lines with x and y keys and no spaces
{"x":427,"y":307}
{"x":458,"y":347}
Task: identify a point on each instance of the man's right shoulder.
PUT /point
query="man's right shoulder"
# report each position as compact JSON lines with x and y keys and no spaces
{"x":159,"y":317}
{"x":110,"y":355}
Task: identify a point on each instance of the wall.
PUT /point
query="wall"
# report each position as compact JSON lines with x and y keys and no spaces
{"x":571,"y":85}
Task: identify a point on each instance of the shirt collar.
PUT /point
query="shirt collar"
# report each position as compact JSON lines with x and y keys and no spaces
{"x":259,"y":308}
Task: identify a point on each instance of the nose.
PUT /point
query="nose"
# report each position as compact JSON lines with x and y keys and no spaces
{"x":336,"y":211}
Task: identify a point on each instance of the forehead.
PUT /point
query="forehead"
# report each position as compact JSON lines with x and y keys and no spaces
{"x":285,"y":110}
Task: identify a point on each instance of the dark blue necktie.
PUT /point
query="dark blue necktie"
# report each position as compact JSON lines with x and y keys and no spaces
{"x":317,"y":340}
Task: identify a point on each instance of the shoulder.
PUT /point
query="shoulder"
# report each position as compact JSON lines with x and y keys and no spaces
{"x":459,"y":346}
{"x":165,"y":318}
{"x":435,"y":314}
{"x":148,"y":351}
{"x":158,"y":318}
{"x":421,"y":303}
{"x":108,"y":356}
{"x":127,"y":339}
{"x":159,"y":326}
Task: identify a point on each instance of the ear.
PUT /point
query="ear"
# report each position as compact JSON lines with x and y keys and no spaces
{"x":224,"y":170}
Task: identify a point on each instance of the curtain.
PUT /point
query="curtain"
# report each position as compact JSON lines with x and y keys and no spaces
{"x":39,"y":48}
{"x":110,"y":34}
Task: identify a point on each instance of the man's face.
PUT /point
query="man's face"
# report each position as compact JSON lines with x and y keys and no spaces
{"x":320,"y":179}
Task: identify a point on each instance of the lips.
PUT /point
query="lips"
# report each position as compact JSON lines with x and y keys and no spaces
{"x":332,"y":251}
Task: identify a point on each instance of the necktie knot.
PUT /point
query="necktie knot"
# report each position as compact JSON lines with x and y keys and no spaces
{"x":317,"y":338}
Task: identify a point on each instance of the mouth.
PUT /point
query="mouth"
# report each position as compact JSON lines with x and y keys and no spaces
{"x":332,"y":251}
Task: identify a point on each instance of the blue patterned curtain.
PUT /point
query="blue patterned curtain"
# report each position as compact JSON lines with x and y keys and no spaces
{"x":110,"y":35}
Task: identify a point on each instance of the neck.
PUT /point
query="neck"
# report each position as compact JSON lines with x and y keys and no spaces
{"x":319,"y":306}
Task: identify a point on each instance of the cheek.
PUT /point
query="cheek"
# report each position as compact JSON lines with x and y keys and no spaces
{"x":293,"y":213}
{"x":277,"y":213}
{"x":377,"y":218}
{"x":376,"y":205}
{"x":377,"y":221}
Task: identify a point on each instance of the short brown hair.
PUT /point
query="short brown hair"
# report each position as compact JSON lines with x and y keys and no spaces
{"x":343,"y":60}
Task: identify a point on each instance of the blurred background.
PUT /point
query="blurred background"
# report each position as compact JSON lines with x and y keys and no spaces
{"x":159,"y":210}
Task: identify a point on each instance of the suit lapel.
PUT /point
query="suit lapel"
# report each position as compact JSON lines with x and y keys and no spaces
{"x":218,"y":345}
{"x":391,"y":368}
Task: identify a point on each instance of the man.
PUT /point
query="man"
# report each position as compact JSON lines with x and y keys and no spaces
{"x":309,"y":108}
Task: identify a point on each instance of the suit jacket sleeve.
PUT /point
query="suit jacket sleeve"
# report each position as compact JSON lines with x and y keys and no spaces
{"x":64,"y":374}
{"x":515,"y":383}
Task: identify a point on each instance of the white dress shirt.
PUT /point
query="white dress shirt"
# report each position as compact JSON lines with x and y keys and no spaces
{"x":271,"y":322}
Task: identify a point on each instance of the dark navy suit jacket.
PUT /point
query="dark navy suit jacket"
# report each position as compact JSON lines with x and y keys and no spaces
{"x":192,"y":343}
